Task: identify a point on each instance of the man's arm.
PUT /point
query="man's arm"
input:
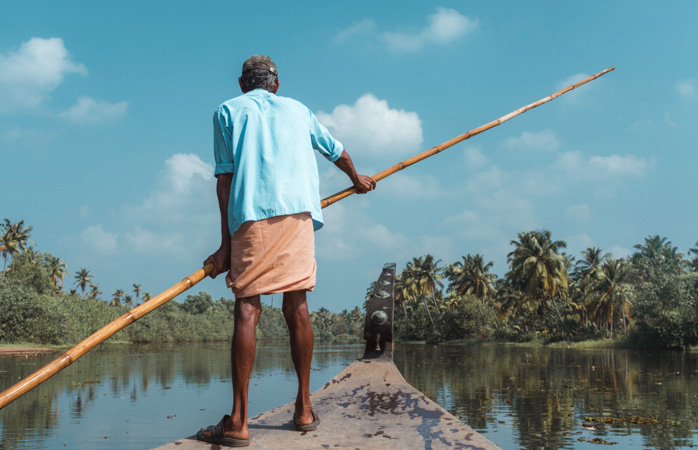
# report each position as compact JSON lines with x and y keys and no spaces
{"x":221,"y":258}
{"x":362,"y":183}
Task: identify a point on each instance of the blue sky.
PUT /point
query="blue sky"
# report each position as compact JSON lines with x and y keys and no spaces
{"x":106,"y":140}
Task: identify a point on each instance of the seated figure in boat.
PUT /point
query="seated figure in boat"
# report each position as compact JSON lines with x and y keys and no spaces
{"x":268,"y":195}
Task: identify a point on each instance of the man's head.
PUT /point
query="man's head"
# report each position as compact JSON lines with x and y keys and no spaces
{"x":259,"y":71}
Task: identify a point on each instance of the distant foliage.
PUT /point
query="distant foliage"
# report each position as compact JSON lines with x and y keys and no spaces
{"x":647,"y":300}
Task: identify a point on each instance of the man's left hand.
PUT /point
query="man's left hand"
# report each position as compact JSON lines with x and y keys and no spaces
{"x":364,"y":184}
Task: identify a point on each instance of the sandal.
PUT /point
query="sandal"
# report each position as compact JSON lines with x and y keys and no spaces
{"x":312,"y":426}
{"x":217,"y":435}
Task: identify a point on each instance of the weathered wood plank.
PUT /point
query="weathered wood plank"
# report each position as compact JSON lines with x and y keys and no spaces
{"x":368,"y":405}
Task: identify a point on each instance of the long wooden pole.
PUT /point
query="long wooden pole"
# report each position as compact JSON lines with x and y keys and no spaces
{"x":104,"y":333}
{"x":439,"y":148}
{"x":99,"y":336}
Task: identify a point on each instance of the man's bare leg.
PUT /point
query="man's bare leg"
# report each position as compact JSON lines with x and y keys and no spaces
{"x":242,"y":352}
{"x":295,"y":310}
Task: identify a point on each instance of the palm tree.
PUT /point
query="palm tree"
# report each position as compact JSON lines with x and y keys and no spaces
{"x":537,"y":269}
{"x":592,"y":258}
{"x":471,"y":276}
{"x":14,"y":238}
{"x":94,"y":291}
{"x":403,"y":296}
{"x":137,"y":290}
{"x":611,"y":294}
{"x":694,"y":262}
{"x":146,"y":296}
{"x":83,"y":279}
{"x":421,"y":279}
{"x":116,"y":297}
{"x":512,"y":302}
{"x":658,"y":251}
{"x":57,"y":269}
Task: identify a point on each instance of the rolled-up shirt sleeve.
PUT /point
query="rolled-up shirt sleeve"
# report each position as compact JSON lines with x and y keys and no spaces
{"x":323,"y":141}
{"x":222,"y":148}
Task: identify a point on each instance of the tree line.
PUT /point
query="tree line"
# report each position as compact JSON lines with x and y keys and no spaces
{"x":649,"y":299}
{"x":35,"y":307}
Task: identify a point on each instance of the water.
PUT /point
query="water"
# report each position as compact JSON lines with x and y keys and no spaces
{"x":140,"y":397}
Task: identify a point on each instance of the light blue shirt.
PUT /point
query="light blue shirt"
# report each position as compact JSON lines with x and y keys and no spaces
{"x":266,"y":141}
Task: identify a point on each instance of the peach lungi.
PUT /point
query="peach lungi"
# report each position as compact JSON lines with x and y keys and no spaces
{"x":273,"y":255}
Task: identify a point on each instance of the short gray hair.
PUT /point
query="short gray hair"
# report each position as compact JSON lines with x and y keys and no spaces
{"x":259,"y":78}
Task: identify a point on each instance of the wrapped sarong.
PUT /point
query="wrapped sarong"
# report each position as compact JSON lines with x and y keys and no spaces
{"x":273,"y":255}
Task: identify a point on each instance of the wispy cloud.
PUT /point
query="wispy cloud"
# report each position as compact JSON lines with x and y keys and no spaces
{"x":363,"y":28}
{"x":371,"y":127}
{"x":443,"y":27}
{"x":169,"y":220}
{"x":474,"y":158}
{"x":575,"y":166}
{"x":544,"y":141}
{"x":96,"y":239}
{"x":89,"y":110}
{"x":579,"y":94}
{"x":30,"y":73}
{"x":688,"y":88}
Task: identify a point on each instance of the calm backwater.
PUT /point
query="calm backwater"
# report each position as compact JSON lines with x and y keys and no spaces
{"x":139,"y":397}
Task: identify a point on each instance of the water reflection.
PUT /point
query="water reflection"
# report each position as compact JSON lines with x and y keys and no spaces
{"x":144,"y":396}
{"x":535,"y":398}
{"x":559,"y":398}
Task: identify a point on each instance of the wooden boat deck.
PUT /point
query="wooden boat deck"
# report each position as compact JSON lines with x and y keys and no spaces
{"x":368,"y":405}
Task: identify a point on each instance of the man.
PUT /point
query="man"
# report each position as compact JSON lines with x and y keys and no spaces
{"x":268,"y":195}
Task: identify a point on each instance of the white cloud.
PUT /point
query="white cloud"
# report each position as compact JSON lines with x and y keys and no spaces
{"x":474,"y":157}
{"x":366,"y":26}
{"x":182,"y":169}
{"x":170,"y":220}
{"x":370,"y":126}
{"x":575,"y":166}
{"x":30,"y":73}
{"x":89,"y":110}
{"x":578,"y":94}
{"x":99,"y":240}
{"x":688,"y":88}
{"x":544,"y":141}
{"x":627,"y":165}
{"x":445,"y":26}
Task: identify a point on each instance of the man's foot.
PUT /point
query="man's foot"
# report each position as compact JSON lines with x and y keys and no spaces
{"x":216,"y":434}
{"x":312,"y":426}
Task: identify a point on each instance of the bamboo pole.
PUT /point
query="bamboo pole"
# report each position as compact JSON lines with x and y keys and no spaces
{"x":439,"y":148}
{"x":99,"y":336}
{"x":72,"y":355}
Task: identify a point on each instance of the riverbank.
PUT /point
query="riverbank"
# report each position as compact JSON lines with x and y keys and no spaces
{"x":591,"y":344}
{"x":23,"y":350}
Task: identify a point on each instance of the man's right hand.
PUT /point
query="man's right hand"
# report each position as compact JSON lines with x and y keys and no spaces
{"x":220,"y":260}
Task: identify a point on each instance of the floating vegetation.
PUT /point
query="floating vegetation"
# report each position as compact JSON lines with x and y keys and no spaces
{"x":86,"y":382}
{"x":596,"y":441}
{"x":635,"y":420}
